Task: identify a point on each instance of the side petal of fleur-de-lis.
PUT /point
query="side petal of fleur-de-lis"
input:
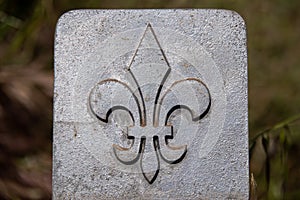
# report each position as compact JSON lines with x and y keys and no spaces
{"x":190,"y":94}
{"x":110,"y":96}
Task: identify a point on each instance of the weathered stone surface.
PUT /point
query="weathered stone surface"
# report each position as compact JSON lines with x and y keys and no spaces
{"x":150,"y":104}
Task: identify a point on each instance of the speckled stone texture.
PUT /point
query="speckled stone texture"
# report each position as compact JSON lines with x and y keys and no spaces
{"x":150,"y":104}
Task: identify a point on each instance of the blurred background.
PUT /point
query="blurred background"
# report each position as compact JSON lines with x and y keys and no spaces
{"x":26,"y":89}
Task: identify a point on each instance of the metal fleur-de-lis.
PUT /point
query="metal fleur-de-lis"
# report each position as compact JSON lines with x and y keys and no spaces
{"x":143,"y":96}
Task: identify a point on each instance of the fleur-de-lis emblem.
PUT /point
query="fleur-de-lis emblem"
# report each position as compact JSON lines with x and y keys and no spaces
{"x":149,"y":106}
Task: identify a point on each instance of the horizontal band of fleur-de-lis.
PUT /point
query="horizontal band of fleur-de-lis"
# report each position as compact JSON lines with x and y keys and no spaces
{"x":149,"y":131}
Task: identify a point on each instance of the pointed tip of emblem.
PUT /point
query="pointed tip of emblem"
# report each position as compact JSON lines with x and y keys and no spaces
{"x":151,"y":176}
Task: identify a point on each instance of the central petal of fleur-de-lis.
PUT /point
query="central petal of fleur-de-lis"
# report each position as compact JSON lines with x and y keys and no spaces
{"x":150,"y":95}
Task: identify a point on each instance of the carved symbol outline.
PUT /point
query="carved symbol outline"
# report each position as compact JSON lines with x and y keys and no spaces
{"x":142,"y":111}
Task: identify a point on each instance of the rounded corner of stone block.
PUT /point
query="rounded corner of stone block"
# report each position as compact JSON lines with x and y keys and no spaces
{"x":238,"y":17}
{"x":67,"y":15}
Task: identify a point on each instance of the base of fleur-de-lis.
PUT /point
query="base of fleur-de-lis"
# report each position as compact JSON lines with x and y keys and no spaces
{"x":150,"y":146}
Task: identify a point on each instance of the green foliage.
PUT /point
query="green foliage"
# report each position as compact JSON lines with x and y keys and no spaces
{"x":277,"y":143}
